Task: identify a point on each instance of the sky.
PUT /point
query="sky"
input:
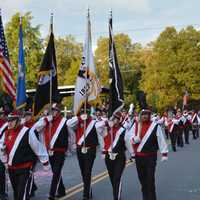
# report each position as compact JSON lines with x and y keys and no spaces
{"x":142,"y":20}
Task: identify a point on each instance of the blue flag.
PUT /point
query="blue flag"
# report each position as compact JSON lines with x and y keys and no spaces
{"x":21,"y":82}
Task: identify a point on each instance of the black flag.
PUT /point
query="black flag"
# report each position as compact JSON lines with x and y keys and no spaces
{"x":47,"y":79}
{"x":116,"y":96}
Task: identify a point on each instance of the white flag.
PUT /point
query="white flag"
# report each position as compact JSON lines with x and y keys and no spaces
{"x":87,"y":84}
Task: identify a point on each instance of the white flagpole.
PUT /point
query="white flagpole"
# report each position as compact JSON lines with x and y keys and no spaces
{"x":50,"y":84}
{"x":87,"y":61}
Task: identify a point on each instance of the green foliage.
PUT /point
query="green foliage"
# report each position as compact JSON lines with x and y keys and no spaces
{"x":172,"y":68}
{"x":32,"y":46}
{"x":128,"y":55}
{"x":68,"y":52}
{"x":163,"y":69}
{"x":71,"y":74}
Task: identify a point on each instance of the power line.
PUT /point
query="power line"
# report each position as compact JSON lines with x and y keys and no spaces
{"x":140,"y":29}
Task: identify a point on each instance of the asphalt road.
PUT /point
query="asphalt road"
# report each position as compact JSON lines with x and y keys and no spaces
{"x":177,"y":179}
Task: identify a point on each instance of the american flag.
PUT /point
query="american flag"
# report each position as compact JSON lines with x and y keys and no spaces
{"x":5,"y":67}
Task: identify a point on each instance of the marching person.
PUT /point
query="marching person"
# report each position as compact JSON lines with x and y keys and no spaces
{"x":3,"y":126}
{"x":147,"y":139}
{"x":173,"y":130}
{"x":114,"y":148}
{"x":194,"y":122}
{"x":86,"y":142}
{"x":56,"y":141}
{"x":165,"y":117}
{"x":18,"y":152}
{"x":29,"y":121}
{"x":181,"y":120}
{"x":187,"y":126}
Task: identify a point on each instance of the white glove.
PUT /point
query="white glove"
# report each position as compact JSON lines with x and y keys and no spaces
{"x":49,"y":118}
{"x":47,"y":167}
{"x":84,"y":116}
{"x":110,"y":123}
{"x":4,"y":158}
{"x":136,"y":140}
{"x":164,"y":159}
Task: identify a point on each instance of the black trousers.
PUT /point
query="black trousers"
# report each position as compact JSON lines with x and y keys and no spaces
{"x":86,"y":162}
{"x":180,"y":138}
{"x":57,"y":186}
{"x":146,"y":167}
{"x":20,"y":182}
{"x":187,"y":134}
{"x":115,"y":169}
{"x":33,"y":186}
{"x":2,"y":179}
{"x":195,"y":133}
{"x":173,"y":138}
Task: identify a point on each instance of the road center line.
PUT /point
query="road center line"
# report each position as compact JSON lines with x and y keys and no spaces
{"x":95,"y":179}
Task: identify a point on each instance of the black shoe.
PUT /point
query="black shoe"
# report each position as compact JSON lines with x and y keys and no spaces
{"x":60,"y":195}
{"x":51,"y":198}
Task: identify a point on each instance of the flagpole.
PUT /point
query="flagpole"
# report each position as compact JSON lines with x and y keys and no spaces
{"x":110,"y":28}
{"x":86,"y":81}
{"x":50,"y":87}
{"x":50,"y":84}
{"x":20,"y":24}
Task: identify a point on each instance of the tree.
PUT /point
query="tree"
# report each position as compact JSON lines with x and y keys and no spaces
{"x":68,"y":51}
{"x":71,"y":74}
{"x":70,"y":79}
{"x":173,"y":66}
{"x":32,"y":45}
{"x":129,"y":61}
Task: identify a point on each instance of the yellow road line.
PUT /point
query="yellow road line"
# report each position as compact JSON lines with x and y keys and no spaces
{"x":95,"y":179}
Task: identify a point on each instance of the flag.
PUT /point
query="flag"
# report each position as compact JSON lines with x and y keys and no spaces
{"x":185,"y":98}
{"x":47,"y":79}
{"x":116,"y":97}
{"x":21,"y":82}
{"x":87,"y":88}
{"x":5,"y":67}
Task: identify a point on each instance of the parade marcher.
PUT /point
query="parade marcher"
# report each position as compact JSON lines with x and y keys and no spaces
{"x":165,"y":117}
{"x":114,"y":147}
{"x":187,"y":126}
{"x":147,"y":139}
{"x":56,"y":141}
{"x":86,"y":142}
{"x":18,"y":152}
{"x":173,"y":129}
{"x":194,"y":122}
{"x":29,"y":121}
{"x":3,"y":126}
{"x":180,"y":127}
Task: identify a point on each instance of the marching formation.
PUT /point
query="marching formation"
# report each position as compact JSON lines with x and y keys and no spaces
{"x":43,"y":134}
{"x":25,"y":141}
